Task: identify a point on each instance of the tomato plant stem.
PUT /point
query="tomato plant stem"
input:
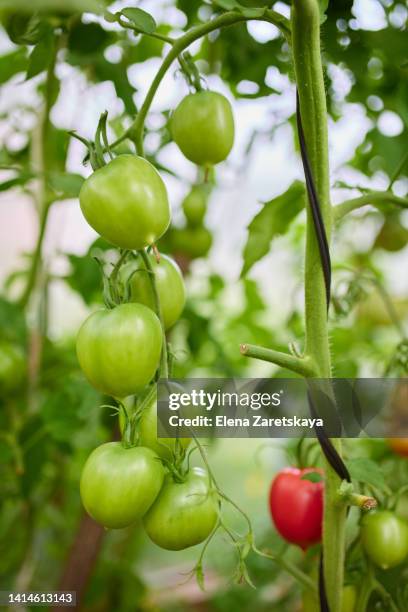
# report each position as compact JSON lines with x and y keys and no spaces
{"x":164,"y":372}
{"x":312,"y":101}
{"x":43,"y":202}
{"x":375,"y":198}
{"x":301,"y":365}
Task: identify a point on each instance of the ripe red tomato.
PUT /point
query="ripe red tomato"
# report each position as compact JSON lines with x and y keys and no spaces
{"x":296,"y":506}
{"x":399,"y":446}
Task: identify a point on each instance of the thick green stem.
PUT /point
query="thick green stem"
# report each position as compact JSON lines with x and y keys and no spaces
{"x":312,"y":100}
{"x":300,"y":365}
{"x":375,"y":198}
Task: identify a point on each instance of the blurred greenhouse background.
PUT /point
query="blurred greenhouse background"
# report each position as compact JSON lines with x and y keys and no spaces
{"x":41,"y":506}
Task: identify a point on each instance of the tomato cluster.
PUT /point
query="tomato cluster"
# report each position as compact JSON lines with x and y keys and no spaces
{"x":120,"y":347}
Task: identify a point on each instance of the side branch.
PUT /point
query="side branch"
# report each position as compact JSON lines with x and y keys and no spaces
{"x":300,"y":365}
{"x":135,"y":131}
{"x":375,"y":198}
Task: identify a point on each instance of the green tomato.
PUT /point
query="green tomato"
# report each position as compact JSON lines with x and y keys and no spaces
{"x":169,"y":283}
{"x":203,"y":127}
{"x":184,"y":513}
{"x":163,"y":447}
{"x":12,"y":366}
{"x":119,"y":350}
{"x":118,"y":484}
{"x":195,"y":205}
{"x":126,"y":202}
{"x":392,"y":236}
{"x":192,"y":242}
{"x":310,"y":601}
{"x":384,"y":537}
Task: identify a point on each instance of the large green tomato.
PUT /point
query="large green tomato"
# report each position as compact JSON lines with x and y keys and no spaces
{"x":118,"y":484}
{"x":195,"y":205}
{"x":12,"y":366}
{"x":126,"y":202}
{"x":384,"y":537}
{"x":203,"y":127}
{"x":184,"y":513}
{"x":119,"y":350}
{"x":169,"y":283}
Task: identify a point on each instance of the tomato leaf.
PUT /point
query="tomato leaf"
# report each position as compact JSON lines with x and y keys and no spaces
{"x":143,"y":21}
{"x":366,"y":471}
{"x":272,"y":220}
{"x":66,"y":185}
{"x":17,"y":181}
{"x":41,"y":55}
{"x":228,"y":5}
{"x":312,"y":477}
{"x":12,"y":63}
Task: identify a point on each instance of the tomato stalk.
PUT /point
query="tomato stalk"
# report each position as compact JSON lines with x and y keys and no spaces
{"x":44,"y":202}
{"x":312,"y":101}
{"x":164,"y":372}
{"x":375,"y":198}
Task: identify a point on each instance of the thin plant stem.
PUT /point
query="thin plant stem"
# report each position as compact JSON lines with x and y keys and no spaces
{"x":164,"y":372}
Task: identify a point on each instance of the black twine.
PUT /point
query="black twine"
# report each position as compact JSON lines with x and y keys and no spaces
{"x":315,"y":206}
{"x":326,"y":444}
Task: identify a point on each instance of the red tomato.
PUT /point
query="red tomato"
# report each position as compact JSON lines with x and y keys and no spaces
{"x":296,"y":506}
{"x":399,"y":446}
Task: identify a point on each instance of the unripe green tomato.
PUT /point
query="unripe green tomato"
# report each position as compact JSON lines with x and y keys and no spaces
{"x":184,"y":513}
{"x":392,"y":236}
{"x":119,"y":349}
{"x":203,"y":127}
{"x":194,"y":242}
{"x":126,"y":202}
{"x":118,"y":484}
{"x":163,"y":447}
{"x":195,"y":205}
{"x":169,"y":283}
{"x":310,"y":602}
{"x":12,"y":366}
{"x":384,"y":537}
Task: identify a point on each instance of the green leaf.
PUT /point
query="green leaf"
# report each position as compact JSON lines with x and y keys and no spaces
{"x":41,"y":55}
{"x":228,"y":5}
{"x":12,"y":63}
{"x":312,"y":476}
{"x":366,"y":471}
{"x":24,"y":29}
{"x":16,"y":181}
{"x":66,"y":185}
{"x":143,"y":21}
{"x":273,"y":220}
